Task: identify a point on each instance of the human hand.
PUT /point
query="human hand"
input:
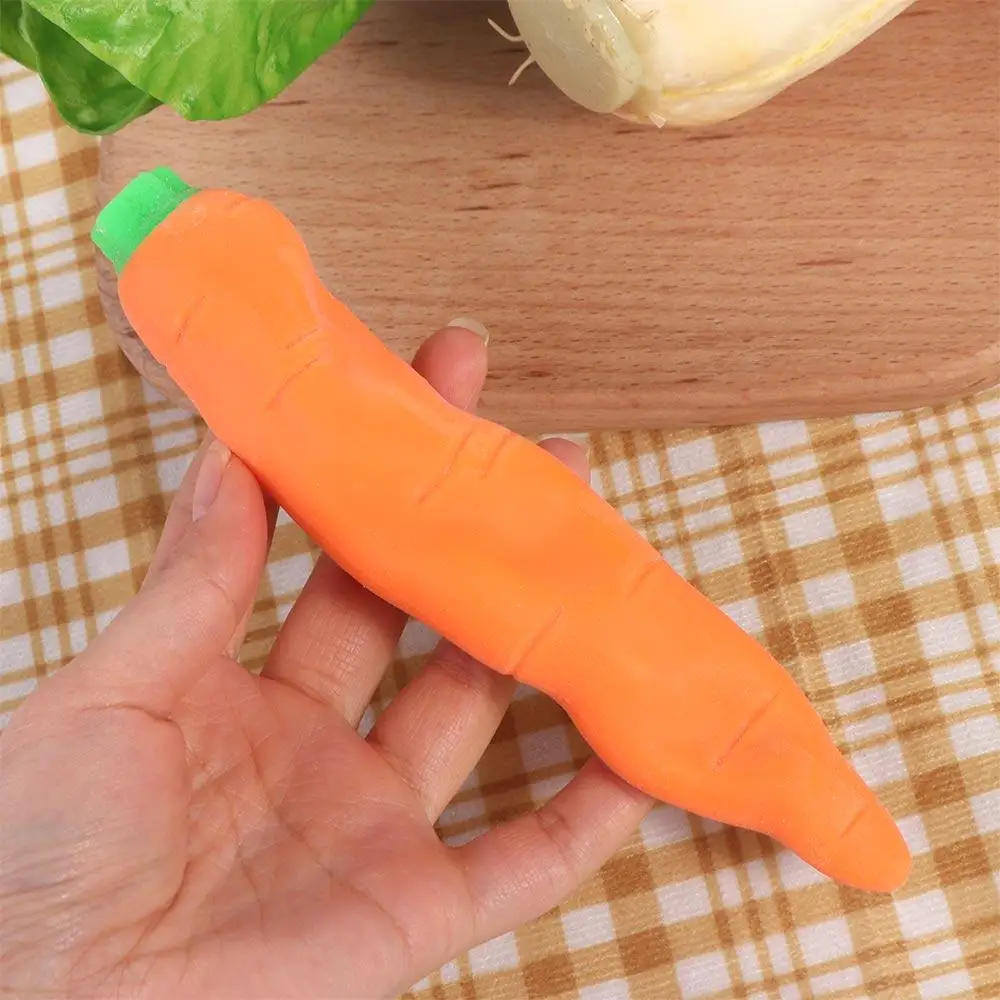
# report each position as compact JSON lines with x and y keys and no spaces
{"x":174,"y":826}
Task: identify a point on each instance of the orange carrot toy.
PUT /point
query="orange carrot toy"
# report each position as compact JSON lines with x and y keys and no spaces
{"x":478,"y":532}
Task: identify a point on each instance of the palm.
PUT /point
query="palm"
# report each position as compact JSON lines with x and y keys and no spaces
{"x":223,"y":834}
{"x":252,"y":845}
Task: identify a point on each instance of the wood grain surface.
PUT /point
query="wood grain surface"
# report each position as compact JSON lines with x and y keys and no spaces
{"x":835,"y":251}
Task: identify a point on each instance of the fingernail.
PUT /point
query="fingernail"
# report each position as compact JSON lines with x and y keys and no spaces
{"x":581,"y":440}
{"x":473,"y":326}
{"x":206,"y":486}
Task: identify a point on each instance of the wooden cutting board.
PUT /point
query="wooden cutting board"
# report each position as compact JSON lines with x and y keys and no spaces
{"x":835,"y":251}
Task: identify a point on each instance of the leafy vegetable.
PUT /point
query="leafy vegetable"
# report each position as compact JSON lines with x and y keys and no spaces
{"x":13,"y":41}
{"x":89,"y":94}
{"x":105,"y":62}
{"x":689,"y":62}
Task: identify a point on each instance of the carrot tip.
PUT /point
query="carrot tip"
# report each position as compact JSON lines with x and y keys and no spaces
{"x":873,"y":856}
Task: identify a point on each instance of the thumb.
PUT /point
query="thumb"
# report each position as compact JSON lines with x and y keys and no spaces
{"x":185,"y":615}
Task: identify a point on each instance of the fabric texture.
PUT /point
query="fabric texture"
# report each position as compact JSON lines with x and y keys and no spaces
{"x":864,"y":553}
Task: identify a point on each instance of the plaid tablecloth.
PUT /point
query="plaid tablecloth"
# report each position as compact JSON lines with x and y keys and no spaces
{"x":865,"y":553}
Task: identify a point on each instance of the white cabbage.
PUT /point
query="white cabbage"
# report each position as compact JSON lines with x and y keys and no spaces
{"x":689,"y":62}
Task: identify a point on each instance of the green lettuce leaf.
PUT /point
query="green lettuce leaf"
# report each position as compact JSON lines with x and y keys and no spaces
{"x":208,"y":59}
{"x":90,"y":95}
{"x":13,"y":41}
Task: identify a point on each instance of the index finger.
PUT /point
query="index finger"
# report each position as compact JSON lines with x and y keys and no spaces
{"x":339,"y":637}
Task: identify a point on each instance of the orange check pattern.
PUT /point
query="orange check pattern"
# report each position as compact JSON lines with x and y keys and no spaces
{"x":865,"y":553}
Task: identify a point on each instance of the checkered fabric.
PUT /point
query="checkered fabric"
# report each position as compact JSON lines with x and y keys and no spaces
{"x":864,"y":553}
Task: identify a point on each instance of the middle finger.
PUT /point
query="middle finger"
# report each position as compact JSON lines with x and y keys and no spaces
{"x":436,"y":729}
